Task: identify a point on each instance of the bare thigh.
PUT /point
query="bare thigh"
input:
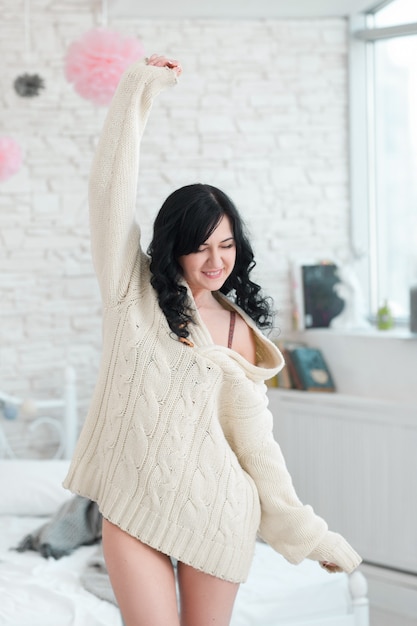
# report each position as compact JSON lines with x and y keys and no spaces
{"x":205,"y":600}
{"x":142,"y":578}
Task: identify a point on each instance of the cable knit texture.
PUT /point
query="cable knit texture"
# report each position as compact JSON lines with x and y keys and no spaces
{"x":177,"y":447}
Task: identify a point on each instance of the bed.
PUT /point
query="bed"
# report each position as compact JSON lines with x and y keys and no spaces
{"x":45,"y":591}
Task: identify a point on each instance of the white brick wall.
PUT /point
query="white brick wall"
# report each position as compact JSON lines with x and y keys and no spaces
{"x":260,"y":112}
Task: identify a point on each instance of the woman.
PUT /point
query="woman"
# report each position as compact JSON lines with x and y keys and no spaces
{"x":177,"y":448}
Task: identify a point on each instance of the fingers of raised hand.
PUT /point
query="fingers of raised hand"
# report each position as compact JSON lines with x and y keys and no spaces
{"x":162,"y":61}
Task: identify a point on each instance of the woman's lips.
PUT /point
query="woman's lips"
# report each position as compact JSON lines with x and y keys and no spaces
{"x":214,"y":274}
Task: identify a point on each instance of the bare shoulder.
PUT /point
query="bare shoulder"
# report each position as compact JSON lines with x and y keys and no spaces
{"x":244,"y":340}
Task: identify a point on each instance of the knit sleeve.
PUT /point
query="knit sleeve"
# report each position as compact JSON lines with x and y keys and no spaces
{"x":113,"y":182}
{"x":290,"y":527}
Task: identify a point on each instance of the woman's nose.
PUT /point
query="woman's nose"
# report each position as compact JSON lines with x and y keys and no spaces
{"x":215,"y":259}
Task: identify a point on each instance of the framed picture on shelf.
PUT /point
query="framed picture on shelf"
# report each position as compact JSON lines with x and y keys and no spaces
{"x":316,"y":302}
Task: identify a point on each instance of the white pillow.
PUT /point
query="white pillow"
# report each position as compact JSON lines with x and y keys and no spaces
{"x":32,"y":487}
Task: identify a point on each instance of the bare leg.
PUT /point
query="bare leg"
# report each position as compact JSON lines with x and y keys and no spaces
{"x":205,"y":600}
{"x":142,"y":579}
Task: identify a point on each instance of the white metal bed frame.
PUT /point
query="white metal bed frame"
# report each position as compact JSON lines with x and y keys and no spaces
{"x":66,"y":426}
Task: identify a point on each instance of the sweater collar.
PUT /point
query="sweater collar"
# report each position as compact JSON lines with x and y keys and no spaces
{"x":270,"y":359}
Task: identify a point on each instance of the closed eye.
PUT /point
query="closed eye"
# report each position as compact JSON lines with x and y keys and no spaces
{"x":224,"y":246}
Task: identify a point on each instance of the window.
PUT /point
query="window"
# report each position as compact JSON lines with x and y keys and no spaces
{"x":384,"y":142}
{"x":395,"y":13}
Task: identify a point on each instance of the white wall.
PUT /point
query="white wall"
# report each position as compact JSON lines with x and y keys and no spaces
{"x":260,"y":112}
{"x":381,"y":365}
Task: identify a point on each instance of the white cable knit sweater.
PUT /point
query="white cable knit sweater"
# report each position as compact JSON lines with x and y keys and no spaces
{"x":177,"y":447}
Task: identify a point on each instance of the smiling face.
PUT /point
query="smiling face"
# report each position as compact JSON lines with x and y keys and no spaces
{"x":209,"y":267}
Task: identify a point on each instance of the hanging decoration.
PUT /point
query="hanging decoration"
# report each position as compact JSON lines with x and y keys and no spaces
{"x":96,"y":62}
{"x":10,"y":158}
{"x":28,"y":85}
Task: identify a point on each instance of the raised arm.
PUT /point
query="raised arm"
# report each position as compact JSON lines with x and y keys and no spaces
{"x":115,"y":234}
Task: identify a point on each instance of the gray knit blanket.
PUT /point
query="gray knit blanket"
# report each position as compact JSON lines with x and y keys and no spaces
{"x":76,"y":523}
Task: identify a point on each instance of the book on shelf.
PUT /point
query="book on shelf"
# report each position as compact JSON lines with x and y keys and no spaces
{"x":306,"y":368}
{"x":286,"y":377}
{"x":272,"y":383}
{"x":281,"y":380}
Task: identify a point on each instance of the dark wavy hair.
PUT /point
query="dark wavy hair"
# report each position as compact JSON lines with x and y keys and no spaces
{"x":185,"y":221}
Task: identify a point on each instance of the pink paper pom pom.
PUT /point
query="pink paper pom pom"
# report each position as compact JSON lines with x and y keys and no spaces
{"x":10,"y":157}
{"x":95,"y":63}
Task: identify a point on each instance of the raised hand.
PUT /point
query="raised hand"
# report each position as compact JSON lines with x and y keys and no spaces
{"x":162,"y":61}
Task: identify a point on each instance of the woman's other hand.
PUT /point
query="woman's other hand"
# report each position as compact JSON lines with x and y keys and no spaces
{"x":332,"y":568}
{"x":162,"y":61}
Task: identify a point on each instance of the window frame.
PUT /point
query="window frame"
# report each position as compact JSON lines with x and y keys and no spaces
{"x":363,"y":231}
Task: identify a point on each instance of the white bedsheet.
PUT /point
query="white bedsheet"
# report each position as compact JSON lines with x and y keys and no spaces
{"x":44,"y":592}
{"x":278,"y":593}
